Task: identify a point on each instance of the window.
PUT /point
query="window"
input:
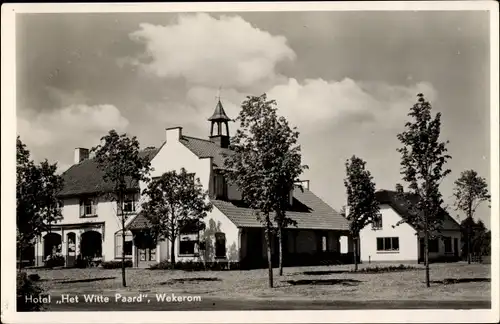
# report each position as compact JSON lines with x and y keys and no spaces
{"x":387,"y":244}
{"x":128,"y":245}
{"x":434,"y":246}
{"x":188,"y":245}
{"x":324,"y":246}
{"x":220,"y":187}
{"x":377,"y":223}
{"x":189,"y":237}
{"x":129,"y":203}
{"x":88,"y":207}
{"x":220,"y":245}
{"x":447,"y":244}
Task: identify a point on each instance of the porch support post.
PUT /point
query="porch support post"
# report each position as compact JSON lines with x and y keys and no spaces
{"x":240,"y":244}
{"x":350,"y":244}
{"x":157,"y":252}
{"x":39,"y":251}
{"x":64,"y":247}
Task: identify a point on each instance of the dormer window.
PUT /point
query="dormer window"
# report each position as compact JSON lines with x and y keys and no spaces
{"x":129,"y":203}
{"x":377,"y":223}
{"x":88,"y":207}
{"x":220,"y":187}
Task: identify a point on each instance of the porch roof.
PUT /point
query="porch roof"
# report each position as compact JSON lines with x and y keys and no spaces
{"x":308,"y":210}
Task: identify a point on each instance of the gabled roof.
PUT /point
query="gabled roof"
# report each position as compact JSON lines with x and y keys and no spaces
{"x":308,"y":210}
{"x":402,"y":207}
{"x":86,"y":178}
{"x":205,"y":148}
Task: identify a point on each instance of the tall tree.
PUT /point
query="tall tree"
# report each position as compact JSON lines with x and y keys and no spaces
{"x":363,"y":208}
{"x":36,"y":197}
{"x":265,"y":166}
{"x":118,"y":156}
{"x":476,"y":237}
{"x":470,"y":191}
{"x":175,"y":202}
{"x":423,"y":159}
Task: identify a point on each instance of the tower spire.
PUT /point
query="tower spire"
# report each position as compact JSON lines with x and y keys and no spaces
{"x":219,"y":119}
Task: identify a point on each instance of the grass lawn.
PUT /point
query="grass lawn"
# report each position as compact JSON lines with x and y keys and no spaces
{"x":468,"y":282}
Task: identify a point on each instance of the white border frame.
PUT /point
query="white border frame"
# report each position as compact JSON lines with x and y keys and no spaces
{"x":8,"y":114}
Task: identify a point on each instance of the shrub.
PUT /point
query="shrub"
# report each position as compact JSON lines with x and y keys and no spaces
{"x":27,"y":292}
{"x":377,"y":269}
{"x":116,"y":264}
{"x":195,"y":266}
{"x":162,"y":265}
{"x":34,"y":277}
{"x":54,"y":260}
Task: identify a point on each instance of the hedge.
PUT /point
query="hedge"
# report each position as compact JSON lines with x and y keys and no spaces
{"x":195,"y":266}
{"x":116,"y":264}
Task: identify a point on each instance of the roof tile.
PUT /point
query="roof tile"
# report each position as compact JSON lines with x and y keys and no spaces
{"x":403,"y":209}
{"x":308,"y":210}
{"x":206,"y":148}
{"x":86,"y":178}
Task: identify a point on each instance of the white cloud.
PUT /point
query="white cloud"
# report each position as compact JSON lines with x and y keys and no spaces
{"x":206,"y":51}
{"x":73,"y":126}
{"x":313,"y":102}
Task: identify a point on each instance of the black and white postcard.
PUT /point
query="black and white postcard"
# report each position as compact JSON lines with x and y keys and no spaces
{"x":250,"y":162}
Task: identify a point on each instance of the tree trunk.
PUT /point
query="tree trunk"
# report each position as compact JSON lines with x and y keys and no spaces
{"x":172,"y":252}
{"x":356,"y":253}
{"x":426,"y":256}
{"x":469,"y":257}
{"x":20,"y":258}
{"x":124,"y":282}
{"x":280,"y":241}
{"x":269,"y":261}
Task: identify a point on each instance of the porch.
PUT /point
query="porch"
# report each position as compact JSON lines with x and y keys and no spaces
{"x":301,"y":247}
{"x":65,"y":244}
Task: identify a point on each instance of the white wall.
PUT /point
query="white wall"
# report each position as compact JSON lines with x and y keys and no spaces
{"x":174,"y":156}
{"x":106,"y":212}
{"x":441,"y":253}
{"x":408,"y":242}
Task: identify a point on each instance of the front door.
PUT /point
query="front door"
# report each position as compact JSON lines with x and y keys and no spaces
{"x":254,"y":254}
{"x":145,"y":257}
{"x":71,"y":250}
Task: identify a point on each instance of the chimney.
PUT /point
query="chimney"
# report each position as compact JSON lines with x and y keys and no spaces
{"x":303,"y":183}
{"x":220,"y":140}
{"x":81,"y":154}
{"x":173,"y":133}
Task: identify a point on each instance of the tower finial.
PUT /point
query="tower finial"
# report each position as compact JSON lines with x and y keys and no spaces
{"x":218,"y":94}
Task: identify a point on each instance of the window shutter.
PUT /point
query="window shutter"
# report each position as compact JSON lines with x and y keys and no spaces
{"x":82,"y":206}
{"x":94,"y":206}
{"x":118,"y":245}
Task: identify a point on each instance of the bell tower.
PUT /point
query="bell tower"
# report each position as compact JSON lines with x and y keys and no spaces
{"x":219,"y":128}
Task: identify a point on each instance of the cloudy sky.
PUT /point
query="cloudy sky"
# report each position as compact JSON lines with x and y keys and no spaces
{"x":345,"y":79}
